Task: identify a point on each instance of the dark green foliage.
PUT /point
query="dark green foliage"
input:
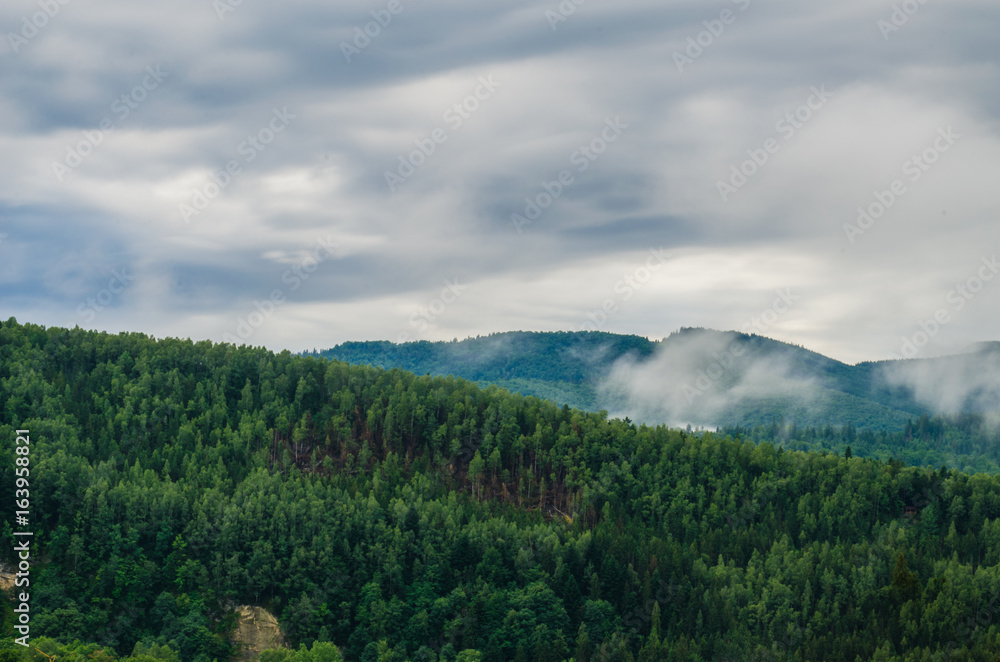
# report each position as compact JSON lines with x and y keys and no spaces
{"x":501,"y":356}
{"x":968,"y":442}
{"x":853,"y":407}
{"x":172,"y":480}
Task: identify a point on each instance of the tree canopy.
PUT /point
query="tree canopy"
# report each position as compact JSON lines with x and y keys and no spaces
{"x":388,"y":516}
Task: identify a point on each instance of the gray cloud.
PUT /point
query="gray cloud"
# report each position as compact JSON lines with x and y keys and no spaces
{"x":707,"y":378}
{"x":959,"y":383}
{"x":656,"y":186}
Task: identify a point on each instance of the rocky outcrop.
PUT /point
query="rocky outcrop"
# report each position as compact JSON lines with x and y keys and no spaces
{"x":256,"y":630}
{"x":7,"y":581}
{"x":7,"y":577}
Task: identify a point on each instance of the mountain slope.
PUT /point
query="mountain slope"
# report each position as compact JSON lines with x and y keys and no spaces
{"x":694,"y":376}
{"x":409,"y":518}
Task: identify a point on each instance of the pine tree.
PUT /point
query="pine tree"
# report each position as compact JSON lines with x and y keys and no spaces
{"x":650,"y":651}
{"x":582,"y":644}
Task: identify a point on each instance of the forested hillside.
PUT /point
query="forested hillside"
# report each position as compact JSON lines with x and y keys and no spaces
{"x":402,"y":517}
{"x":710,"y":375}
{"x":561,"y":366}
{"x":968,"y":442}
{"x":882,"y":410}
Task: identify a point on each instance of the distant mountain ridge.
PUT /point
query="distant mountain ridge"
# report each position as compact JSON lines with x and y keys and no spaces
{"x":701,"y":376}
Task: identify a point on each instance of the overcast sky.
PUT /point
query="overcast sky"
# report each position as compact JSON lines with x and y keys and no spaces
{"x":379,"y":184}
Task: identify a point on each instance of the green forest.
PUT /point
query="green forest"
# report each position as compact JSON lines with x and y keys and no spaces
{"x":969,"y":442}
{"x":850,"y":405}
{"x":573,"y":368}
{"x":389,"y":517}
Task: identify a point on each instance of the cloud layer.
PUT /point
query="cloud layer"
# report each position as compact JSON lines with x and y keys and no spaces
{"x":707,"y":378}
{"x":960,"y":383}
{"x":200,"y":150}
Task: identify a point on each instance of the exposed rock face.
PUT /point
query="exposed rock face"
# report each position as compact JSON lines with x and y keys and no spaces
{"x":256,"y":630}
{"x":7,"y":577}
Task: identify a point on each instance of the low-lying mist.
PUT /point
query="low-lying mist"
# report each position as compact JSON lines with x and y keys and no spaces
{"x":706,"y":378}
{"x":963,"y":383}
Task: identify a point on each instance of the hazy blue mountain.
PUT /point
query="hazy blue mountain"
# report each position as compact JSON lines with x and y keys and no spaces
{"x":703,"y":377}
